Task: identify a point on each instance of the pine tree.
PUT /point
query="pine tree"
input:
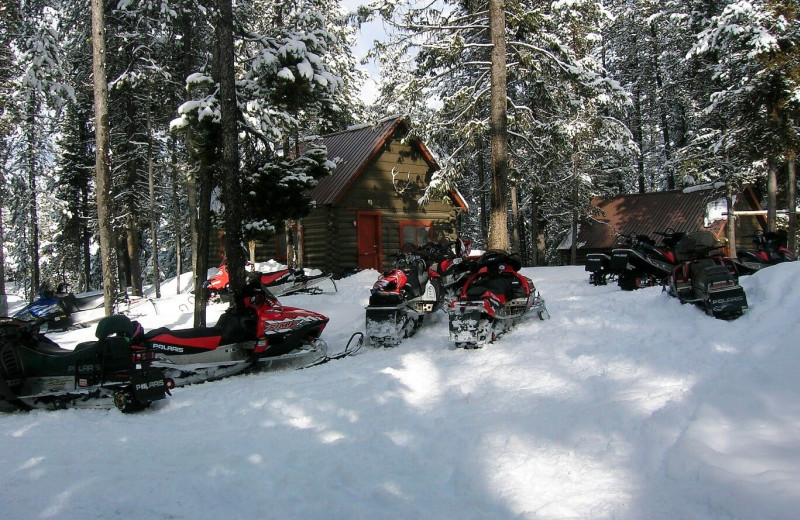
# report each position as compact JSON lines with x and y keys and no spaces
{"x":554,"y":68}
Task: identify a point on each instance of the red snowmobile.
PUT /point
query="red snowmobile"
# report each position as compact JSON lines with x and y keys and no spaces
{"x":402,"y":296}
{"x":423,"y":280}
{"x":453,"y":267}
{"x":770,"y":249}
{"x":492,"y":301}
{"x":255,"y":333}
{"x":281,"y":283}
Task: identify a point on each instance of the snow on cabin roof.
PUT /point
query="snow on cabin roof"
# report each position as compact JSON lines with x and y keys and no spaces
{"x":648,"y":213}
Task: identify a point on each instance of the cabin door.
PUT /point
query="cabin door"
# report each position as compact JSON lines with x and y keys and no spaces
{"x":368,"y":225}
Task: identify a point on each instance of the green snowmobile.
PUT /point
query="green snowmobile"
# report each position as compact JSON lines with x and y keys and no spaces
{"x":112,"y":371}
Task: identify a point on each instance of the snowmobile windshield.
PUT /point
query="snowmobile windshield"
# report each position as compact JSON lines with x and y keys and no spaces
{"x":696,"y":244}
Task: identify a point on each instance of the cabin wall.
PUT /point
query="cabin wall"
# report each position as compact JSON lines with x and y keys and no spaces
{"x":746,"y":225}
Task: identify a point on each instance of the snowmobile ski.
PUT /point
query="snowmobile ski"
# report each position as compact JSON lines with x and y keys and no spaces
{"x":349,"y":350}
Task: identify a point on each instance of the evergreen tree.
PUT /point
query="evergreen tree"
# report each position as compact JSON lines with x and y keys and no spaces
{"x":442,"y":58}
{"x":757,"y":79}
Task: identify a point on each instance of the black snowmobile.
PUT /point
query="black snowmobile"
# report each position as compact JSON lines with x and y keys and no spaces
{"x":706,"y":278}
{"x":255,"y":333}
{"x":402,"y":296}
{"x":494,"y":299}
{"x":641,"y":263}
{"x":113,"y":371}
{"x":770,"y":249}
{"x":598,"y":265}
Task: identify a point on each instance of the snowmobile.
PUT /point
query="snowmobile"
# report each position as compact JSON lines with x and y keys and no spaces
{"x":402,"y":296}
{"x":255,"y":333}
{"x":453,"y":266}
{"x":112,"y":371}
{"x":493,"y":300}
{"x":770,"y":249}
{"x":48,"y":312}
{"x":64,"y":310}
{"x":281,"y":283}
{"x":706,"y":278}
{"x":599,"y":267}
{"x":643,"y":264}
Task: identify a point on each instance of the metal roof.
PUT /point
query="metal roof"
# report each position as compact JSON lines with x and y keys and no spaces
{"x":647,"y":213}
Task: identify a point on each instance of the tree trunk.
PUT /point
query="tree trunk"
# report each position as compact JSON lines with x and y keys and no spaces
{"x":482,"y":195}
{"x":498,"y":220}
{"x":287,"y":236}
{"x":3,"y":297}
{"x":522,"y":234}
{"x":638,"y":137}
{"x":791,"y":193}
{"x":662,"y":109}
{"x":772,"y":194}
{"x":515,"y":242}
{"x":200,"y":238}
{"x":134,"y":252}
{"x":102,"y":160}
{"x":33,"y":213}
{"x":176,"y":215}
{"x":86,"y":240}
{"x":232,"y":183}
{"x":573,"y":250}
{"x":730,"y":231}
{"x":535,"y":230}
{"x":299,"y":244}
{"x":123,"y":262}
{"x":154,"y":214}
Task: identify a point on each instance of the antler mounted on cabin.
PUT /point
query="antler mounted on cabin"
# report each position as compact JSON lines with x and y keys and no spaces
{"x":395,"y":182}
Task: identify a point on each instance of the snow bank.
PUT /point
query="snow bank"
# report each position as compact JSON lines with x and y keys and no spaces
{"x":624,"y":405}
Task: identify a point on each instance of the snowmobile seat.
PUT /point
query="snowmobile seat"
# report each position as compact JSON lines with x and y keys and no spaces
{"x":117,"y":324}
{"x":74,"y":304}
{"x":517,"y":289}
{"x":49,"y":347}
{"x":499,"y":285}
{"x":386,"y":299}
{"x":696,"y":244}
{"x":714,"y":277}
{"x":237,"y":327}
{"x":698,"y":268}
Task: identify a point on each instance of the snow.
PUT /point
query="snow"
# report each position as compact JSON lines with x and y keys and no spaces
{"x":716,"y":210}
{"x":624,"y":405}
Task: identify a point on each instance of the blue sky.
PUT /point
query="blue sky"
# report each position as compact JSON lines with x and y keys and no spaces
{"x":368,"y":33}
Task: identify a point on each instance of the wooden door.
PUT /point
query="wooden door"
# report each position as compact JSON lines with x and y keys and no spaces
{"x":368,"y":225}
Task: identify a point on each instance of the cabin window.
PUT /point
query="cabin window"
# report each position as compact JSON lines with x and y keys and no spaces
{"x":417,"y":233}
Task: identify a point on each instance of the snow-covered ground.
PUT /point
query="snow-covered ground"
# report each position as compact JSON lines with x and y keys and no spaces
{"x":624,"y":405}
